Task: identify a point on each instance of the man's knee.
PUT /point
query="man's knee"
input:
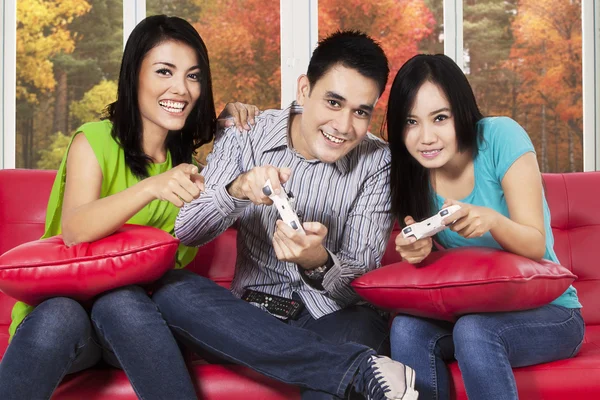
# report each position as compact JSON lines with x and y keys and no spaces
{"x":359,"y":324}
{"x":179,"y":283}
{"x":178,"y":289}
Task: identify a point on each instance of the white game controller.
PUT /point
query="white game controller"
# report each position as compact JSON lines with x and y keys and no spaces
{"x":431,"y":225}
{"x":286,"y":211}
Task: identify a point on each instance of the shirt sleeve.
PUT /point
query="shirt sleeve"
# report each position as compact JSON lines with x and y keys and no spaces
{"x":365,"y":237}
{"x":206,"y":217}
{"x":508,"y":141}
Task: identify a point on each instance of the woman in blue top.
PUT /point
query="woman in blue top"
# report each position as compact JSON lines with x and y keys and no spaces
{"x":445,"y":152}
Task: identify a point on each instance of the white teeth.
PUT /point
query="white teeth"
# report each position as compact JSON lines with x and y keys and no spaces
{"x":430,"y":152}
{"x":332,"y":138}
{"x":172,"y":106}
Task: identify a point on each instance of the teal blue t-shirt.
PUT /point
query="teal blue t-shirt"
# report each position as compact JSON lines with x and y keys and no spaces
{"x":502,"y":142}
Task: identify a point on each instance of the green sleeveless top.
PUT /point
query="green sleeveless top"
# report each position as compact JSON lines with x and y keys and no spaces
{"x":116,"y":177}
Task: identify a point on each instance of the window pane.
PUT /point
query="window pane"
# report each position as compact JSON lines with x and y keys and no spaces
{"x":243,"y":42}
{"x":68,"y":57}
{"x":403,"y":28}
{"x":524,"y":61}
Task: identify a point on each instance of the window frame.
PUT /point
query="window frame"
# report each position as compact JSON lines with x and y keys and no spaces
{"x":590,"y":20}
{"x":8,"y":83}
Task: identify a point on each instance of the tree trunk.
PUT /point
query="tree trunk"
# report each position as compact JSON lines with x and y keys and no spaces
{"x":571,"y":153}
{"x":27,"y":142}
{"x":31,"y":146}
{"x":23,"y":133}
{"x":60,"y":105}
{"x":514,"y":99}
{"x":544,"y":141}
{"x":556,"y":133}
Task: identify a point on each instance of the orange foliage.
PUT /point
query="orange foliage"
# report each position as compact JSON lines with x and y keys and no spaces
{"x":399,"y":26}
{"x":546,"y":57}
{"x":243,"y":38}
{"x":548,"y":49}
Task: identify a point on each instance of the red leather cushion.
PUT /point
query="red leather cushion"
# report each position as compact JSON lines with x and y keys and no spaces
{"x":454,"y":282}
{"x":35,"y":271}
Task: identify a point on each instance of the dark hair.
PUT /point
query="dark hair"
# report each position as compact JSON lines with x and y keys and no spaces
{"x":352,"y":49}
{"x":124,"y":113}
{"x":410,"y":181}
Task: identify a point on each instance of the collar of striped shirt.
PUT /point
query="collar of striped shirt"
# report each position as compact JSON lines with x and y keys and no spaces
{"x":278,"y":138}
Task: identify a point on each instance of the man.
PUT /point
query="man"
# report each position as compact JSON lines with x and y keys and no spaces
{"x":320,"y":148}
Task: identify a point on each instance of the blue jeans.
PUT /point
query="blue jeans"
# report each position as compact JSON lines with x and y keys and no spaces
{"x":125,"y":328}
{"x":358,"y":324}
{"x":209,"y":318}
{"x":486,"y":347}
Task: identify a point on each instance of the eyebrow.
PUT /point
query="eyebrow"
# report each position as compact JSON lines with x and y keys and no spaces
{"x":174,"y":66}
{"x":342,"y":99}
{"x":433,"y":112}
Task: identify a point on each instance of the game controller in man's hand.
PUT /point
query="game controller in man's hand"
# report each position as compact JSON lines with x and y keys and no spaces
{"x":431,"y":225}
{"x":286,"y":211}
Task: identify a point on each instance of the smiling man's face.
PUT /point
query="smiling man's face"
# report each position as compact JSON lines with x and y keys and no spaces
{"x":336,"y":116}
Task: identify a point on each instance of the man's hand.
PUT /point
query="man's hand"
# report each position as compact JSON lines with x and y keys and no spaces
{"x":239,"y":114}
{"x":249,"y":185}
{"x":410,"y":249}
{"x":306,"y":250}
{"x":470,"y":221}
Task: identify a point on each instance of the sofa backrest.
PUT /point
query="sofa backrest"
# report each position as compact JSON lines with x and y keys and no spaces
{"x":572,"y":199}
{"x":23,"y":199}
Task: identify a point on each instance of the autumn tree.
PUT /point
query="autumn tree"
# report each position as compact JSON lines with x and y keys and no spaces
{"x":178,"y":8}
{"x":487,"y":42}
{"x":51,"y":156}
{"x":96,"y":57}
{"x":93,"y":104}
{"x":433,"y":43}
{"x":399,"y":26}
{"x":243,"y":42}
{"x":546,"y":57}
{"x":42,"y":33}
{"x":242,"y":37}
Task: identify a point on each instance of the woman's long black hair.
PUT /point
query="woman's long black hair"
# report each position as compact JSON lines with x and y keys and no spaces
{"x":124,"y":113}
{"x":410,"y":181}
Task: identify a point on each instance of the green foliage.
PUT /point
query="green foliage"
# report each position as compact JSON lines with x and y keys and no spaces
{"x":99,"y":47}
{"x":51,"y":157}
{"x":432,"y":44}
{"x":42,"y":33}
{"x":91,"y":107}
{"x":178,"y":8}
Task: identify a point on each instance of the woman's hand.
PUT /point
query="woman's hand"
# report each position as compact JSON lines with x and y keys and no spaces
{"x":239,"y":114}
{"x":410,"y":249}
{"x":178,"y":185}
{"x":470,"y":221}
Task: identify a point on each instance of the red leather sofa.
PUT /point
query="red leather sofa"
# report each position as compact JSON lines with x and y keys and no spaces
{"x":575,"y":208}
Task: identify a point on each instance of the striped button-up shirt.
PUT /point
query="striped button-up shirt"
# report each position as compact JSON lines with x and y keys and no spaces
{"x":351,"y":197}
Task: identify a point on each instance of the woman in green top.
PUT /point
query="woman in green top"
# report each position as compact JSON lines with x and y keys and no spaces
{"x":134,"y":167}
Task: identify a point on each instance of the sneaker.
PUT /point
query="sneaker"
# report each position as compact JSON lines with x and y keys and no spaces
{"x":381,"y":378}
